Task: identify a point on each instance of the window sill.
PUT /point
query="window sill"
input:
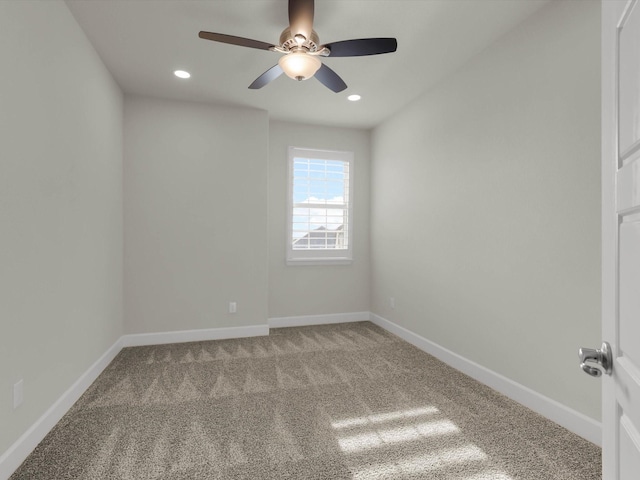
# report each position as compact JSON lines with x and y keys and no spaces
{"x":301,"y":262}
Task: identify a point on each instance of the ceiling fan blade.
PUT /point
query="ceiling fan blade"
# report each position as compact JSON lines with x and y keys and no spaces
{"x":301,"y":17}
{"x":362,"y":46}
{"x":233,"y":40}
{"x":271,"y":74}
{"x":330,"y":79}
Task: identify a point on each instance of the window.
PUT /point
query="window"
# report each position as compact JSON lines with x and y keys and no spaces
{"x":320,"y":207}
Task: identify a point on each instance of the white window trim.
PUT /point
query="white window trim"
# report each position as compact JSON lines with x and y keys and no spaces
{"x":319,"y":257}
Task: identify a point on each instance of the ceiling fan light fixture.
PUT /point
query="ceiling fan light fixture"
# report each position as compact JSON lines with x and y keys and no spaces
{"x":301,"y":48}
{"x":299,"y":65}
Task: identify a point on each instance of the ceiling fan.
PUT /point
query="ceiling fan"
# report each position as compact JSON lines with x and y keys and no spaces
{"x":301,"y":48}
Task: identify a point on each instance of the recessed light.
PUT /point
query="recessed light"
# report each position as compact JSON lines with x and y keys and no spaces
{"x":353,"y":98}
{"x":181,"y":74}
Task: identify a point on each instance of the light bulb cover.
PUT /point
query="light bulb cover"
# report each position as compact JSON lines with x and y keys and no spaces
{"x":299,"y":65}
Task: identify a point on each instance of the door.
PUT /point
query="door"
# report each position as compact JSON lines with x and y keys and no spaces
{"x":621,"y":237}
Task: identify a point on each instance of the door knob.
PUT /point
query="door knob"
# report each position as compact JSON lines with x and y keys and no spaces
{"x":596,"y":362}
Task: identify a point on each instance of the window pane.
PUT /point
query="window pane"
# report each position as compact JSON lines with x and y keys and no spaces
{"x":319,"y":237}
{"x":320,"y":196}
{"x":320,"y":182}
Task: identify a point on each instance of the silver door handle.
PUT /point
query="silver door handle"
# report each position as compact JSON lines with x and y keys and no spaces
{"x":601,"y":359}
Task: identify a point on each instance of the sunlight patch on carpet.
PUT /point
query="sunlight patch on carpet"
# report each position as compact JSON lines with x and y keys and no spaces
{"x":489,"y":475}
{"x":384,"y":417}
{"x":422,"y":463}
{"x":407,"y":433}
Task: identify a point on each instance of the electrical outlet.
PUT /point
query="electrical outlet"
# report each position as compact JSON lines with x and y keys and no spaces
{"x":392,"y":302}
{"x":18,"y":393}
{"x":233,"y":307}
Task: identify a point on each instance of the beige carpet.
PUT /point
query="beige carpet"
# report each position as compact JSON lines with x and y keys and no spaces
{"x":348,"y":401}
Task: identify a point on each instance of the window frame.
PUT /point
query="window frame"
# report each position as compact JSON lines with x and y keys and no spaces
{"x":319,"y":256}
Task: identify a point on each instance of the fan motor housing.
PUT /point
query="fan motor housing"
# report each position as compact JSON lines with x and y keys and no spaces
{"x":287,"y":41}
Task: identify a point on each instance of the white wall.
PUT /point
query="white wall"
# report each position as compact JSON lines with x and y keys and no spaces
{"x":317,"y":290}
{"x":195,"y":215}
{"x":60,"y":208}
{"x":486,"y":207}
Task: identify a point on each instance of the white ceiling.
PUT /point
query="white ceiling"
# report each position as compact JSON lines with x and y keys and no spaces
{"x":143,"y":41}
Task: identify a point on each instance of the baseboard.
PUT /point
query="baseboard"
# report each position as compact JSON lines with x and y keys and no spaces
{"x":159,"y":338}
{"x":18,"y":452}
{"x":570,"y":419}
{"x":306,"y":320}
